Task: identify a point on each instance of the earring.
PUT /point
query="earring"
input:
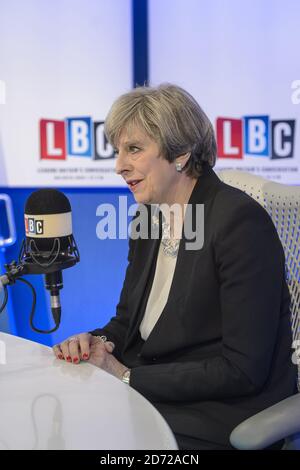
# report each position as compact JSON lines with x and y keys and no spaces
{"x":178,"y":167}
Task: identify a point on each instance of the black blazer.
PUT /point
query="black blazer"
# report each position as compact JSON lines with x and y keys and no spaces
{"x":221,"y":349}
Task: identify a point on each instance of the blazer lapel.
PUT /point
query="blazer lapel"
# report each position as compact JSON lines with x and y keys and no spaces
{"x":145,"y":259}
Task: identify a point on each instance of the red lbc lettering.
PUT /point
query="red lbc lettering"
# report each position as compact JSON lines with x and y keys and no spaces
{"x":229,"y":138}
{"x":53,"y":140}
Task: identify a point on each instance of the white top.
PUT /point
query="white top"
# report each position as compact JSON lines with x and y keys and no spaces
{"x":164,"y":272}
{"x":50,"y":404}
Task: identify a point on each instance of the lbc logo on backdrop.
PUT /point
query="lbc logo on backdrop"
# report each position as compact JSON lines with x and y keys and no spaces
{"x":256,"y":136}
{"x":74,"y":137}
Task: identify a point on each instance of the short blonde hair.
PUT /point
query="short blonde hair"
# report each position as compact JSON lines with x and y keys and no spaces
{"x":171,"y":117}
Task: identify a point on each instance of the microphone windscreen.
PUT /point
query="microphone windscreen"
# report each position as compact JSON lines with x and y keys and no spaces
{"x":48,"y":217}
{"x":47,"y":201}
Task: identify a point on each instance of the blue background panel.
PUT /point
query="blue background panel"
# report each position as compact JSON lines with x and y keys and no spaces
{"x":91,"y":288}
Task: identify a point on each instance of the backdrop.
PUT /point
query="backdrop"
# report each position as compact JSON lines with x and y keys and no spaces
{"x":63,"y":63}
{"x":240,"y":61}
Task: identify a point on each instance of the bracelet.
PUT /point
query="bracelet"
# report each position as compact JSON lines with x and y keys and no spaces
{"x":126,"y":377}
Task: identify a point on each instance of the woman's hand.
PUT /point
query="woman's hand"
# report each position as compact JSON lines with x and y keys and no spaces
{"x":101,"y":356}
{"x":78,"y":348}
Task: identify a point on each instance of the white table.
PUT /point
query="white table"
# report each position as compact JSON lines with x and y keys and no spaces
{"x":50,"y":404}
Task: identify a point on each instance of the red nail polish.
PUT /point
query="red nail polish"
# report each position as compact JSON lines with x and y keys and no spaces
{"x":69,"y":358}
{"x":75,"y":359}
{"x":85,"y":356}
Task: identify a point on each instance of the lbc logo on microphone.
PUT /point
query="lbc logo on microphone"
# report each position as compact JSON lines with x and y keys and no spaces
{"x":74,"y":137}
{"x":255,"y":136}
{"x":34,"y":226}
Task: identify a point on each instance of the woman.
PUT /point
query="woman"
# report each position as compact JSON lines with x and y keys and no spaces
{"x":204,"y":333}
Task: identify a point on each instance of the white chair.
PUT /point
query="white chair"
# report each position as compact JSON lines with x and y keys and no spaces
{"x":282,"y":202}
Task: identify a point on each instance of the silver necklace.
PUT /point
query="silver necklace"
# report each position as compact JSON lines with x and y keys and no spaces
{"x":170,"y":245}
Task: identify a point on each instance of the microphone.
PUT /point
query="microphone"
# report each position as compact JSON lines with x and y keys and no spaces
{"x":48,"y":247}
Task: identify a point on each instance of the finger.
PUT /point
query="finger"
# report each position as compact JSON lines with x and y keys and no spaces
{"x":64,"y":346}
{"x":97,"y":359}
{"x":109,"y":346}
{"x":97,"y":347}
{"x":96,"y":344}
{"x":57,"y":351}
{"x":74,"y":351}
{"x":95,"y":340}
{"x":84,"y":343}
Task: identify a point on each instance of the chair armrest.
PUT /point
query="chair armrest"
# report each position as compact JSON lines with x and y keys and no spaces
{"x":270,"y":425}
